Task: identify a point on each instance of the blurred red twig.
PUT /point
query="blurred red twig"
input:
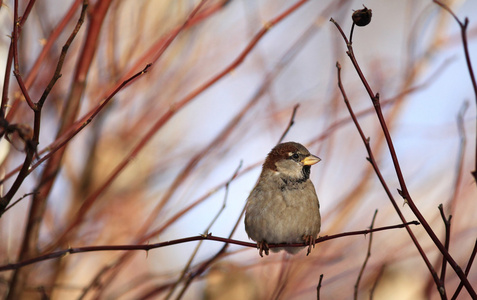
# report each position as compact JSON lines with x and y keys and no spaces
{"x":463,"y":32}
{"x":206,"y":231}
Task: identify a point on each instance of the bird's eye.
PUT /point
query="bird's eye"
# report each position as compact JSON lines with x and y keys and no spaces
{"x":295,"y":156}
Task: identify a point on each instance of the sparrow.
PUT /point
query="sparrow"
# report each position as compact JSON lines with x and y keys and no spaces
{"x":283,"y":207}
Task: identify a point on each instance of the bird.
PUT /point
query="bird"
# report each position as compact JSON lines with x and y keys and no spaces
{"x":283,"y":207}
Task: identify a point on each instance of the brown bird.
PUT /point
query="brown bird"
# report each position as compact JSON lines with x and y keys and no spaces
{"x":283,"y":207}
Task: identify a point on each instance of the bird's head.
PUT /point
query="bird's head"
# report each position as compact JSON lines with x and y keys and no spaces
{"x":290,"y":161}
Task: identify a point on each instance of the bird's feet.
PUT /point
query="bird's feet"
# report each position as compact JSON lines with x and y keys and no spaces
{"x":310,"y":241}
{"x":262,"y":246}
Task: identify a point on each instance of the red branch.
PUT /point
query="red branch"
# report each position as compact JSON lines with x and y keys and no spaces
{"x":403,"y":191}
{"x":147,"y":247}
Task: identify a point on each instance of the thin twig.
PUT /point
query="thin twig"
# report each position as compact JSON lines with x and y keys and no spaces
{"x":447,"y":223}
{"x":61,"y":59}
{"x":290,"y":124}
{"x":50,"y":42}
{"x":209,"y":237}
{"x":368,"y":254}
{"x":6,"y":83}
{"x":16,"y":60}
{"x":318,"y":287}
{"x":206,"y":231}
{"x":460,"y":155}
{"x":17,"y":201}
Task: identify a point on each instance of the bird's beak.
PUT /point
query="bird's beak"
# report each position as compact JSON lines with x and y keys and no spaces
{"x":310,"y":160}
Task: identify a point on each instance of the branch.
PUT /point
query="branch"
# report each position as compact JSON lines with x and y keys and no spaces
{"x":463,"y":32}
{"x":209,"y":237}
{"x":368,"y":254}
{"x":372,"y":160}
{"x":318,"y":287}
{"x":26,"y":168}
{"x":62,"y":57}
{"x":290,"y":124}
{"x":6,"y":82}
{"x":404,"y":191}
{"x":447,"y":223}
{"x":188,"y":264}
{"x":16,"y":64}
{"x":17,"y":201}
{"x":460,"y":156}
{"x":25,"y":171}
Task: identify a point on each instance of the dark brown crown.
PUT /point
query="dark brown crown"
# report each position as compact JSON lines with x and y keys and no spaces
{"x":282,"y":151}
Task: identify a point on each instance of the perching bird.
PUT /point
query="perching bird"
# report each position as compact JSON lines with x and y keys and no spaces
{"x":283,"y":206}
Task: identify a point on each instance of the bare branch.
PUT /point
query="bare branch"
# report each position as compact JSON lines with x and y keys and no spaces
{"x":290,"y":124}
{"x":404,"y":190}
{"x":463,"y":31}
{"x":368,"y":254}
{"x":318,"y":287}
{"x":372,"y":160}
{"x":62,"y":57}
{"x":209,"y":237}
{"x":447,"y":223}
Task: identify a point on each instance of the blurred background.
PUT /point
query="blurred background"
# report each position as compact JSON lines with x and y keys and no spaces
{"x":154,"y":163}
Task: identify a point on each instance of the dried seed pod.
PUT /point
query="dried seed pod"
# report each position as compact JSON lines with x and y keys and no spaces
{"x":362,"y":17}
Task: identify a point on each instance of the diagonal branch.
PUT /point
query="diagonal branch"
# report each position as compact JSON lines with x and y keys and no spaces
{"x":16,"y":63}
{"x":447,"y":223}
{"x":372,"y":160}
{"x":62,"y":57}
{"x":403,"y":191}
